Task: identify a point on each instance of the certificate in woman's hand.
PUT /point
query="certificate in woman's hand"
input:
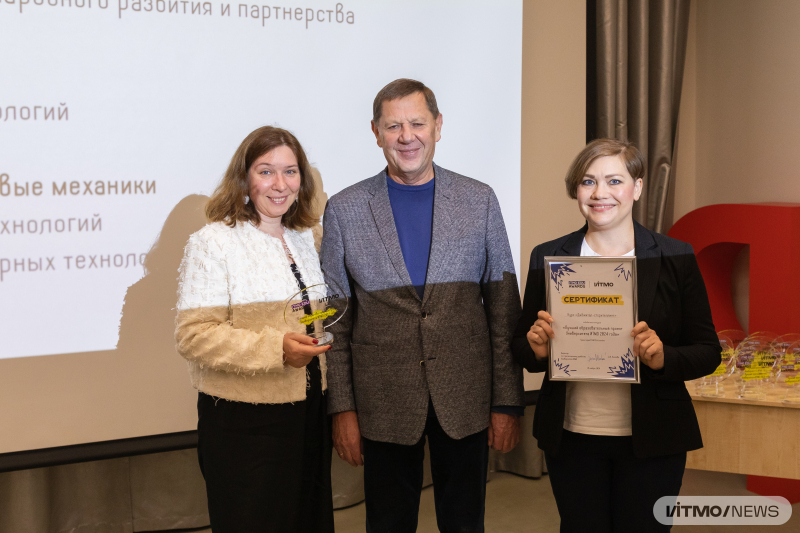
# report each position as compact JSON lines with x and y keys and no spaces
{"x":593,"y":304}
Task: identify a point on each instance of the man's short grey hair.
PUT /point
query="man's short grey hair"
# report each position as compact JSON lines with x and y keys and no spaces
{"x":400,"y":89}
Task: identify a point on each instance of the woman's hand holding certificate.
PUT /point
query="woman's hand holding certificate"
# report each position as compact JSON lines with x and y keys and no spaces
{"x":540,"y":334}
{"x":646,"y":344}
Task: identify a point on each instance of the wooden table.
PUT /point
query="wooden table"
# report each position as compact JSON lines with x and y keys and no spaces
{"x":760,"y":438}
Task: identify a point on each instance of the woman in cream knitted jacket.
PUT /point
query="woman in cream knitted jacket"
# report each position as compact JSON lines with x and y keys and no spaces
{"x":234,"y":286}
{"x":264,"y":441}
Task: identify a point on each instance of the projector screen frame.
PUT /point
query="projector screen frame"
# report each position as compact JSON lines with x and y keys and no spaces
{"x":97,"y":451}
{"x":136,"y":115}
{"x":115,"y":449}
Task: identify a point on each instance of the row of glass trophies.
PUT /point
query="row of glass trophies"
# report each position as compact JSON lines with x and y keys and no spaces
{"x":757,"y":366}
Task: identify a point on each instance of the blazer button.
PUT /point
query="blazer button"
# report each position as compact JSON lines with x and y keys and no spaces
{"x":424,"y":315}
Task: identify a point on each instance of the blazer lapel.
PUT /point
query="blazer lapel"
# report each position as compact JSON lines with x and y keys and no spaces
{"x":648,"y":267}
{"x":572,"y":246}
{"x":384,"y":220}
{"x":440,"y":230}
{"x":648,"y":264}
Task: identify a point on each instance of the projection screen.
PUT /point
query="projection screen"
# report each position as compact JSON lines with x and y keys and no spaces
{"x":119,"y":117}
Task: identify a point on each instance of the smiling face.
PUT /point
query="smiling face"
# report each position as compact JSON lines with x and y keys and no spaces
{"x":274,"y":182}
{"x":408,"y":133}
{"x":607,"y":192}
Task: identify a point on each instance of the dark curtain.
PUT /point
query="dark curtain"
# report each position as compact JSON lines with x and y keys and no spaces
{"x":635,"y":56}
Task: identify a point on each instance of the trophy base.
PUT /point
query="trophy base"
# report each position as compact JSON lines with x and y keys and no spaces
{"x":323,"y":337}
{"x":792,"y":396}
{"x":712,"y":390}
{"x":757,"y":393}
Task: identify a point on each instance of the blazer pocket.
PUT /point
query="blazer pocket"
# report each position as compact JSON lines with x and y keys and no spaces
{"x":365,"y":354}
{"x":480,"y":347}
{"x":371,"y":375}
{"x":480,"y":360}
{"x":672,"y":391}
{"x":477,"y":372}
{"x":480,"y":343}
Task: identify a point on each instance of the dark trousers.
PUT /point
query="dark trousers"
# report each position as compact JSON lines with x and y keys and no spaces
{"x":267,"y":467}
{"x":600,"y":486}
{"x":393,"y":481}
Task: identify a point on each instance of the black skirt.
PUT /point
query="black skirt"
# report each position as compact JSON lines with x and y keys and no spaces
{"x":267,"y":466}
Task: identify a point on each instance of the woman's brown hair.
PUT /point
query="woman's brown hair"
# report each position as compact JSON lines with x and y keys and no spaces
{"x":631,"y":156}
{"x":227,"y":203}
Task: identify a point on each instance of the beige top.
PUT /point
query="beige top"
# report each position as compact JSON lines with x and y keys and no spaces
{"x":234,"y":283}
{"x":598,"y":408}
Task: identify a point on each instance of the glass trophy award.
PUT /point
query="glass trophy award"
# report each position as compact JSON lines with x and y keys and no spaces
{"x":788,"y":373}
{"x":317,"y":307}
{"x":784,"y":341}
{"x":735,"y":335}
{"x":755,"y":359}
{"x":782,"y":347}
{"x":765,"y":334}
{"x":712,"y":385}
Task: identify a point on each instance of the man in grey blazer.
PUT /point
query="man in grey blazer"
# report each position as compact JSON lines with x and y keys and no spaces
{"x":424,"y":348}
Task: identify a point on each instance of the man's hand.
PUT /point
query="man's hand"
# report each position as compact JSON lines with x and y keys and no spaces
{"x":503,"y":432}
{"x":647,"y":346}
{"x":347,"y":437}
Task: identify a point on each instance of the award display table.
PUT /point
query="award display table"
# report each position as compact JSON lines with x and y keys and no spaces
{"x":757,"y":438}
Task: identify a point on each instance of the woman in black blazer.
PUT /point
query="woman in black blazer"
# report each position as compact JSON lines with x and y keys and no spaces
{"x":613,"y":449}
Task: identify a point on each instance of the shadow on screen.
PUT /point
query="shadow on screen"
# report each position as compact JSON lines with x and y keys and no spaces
{"x":156,"y":378}
{"x":147,"y":325}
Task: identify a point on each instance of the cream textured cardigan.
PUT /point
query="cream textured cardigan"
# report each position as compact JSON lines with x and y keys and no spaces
{"x":234,"y":283}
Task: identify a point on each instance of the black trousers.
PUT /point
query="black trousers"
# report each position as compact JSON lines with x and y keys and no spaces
{"x":600,"y":486}
{"x":267,"y":466}
{"x":393,"y":481}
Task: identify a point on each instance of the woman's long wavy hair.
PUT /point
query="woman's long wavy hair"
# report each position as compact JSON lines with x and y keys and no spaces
{"x":227,"y":203}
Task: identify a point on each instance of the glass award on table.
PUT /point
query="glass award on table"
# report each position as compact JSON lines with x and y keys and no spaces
{"x":783,"y":347}
{"x":788,"y":373}
{"x":317,"y":307}
{"x":755,"y":359}
{"x":711,"y":386}
{"x":736,"y":335}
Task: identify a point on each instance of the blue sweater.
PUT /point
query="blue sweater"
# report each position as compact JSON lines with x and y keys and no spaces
{"x":412,"y":208}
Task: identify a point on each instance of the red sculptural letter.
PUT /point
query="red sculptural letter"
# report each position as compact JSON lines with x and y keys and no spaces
{"x":719,"y":232}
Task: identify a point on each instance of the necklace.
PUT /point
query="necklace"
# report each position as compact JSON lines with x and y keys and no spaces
{"x":286,"y":247}
{"x":283,"y":241}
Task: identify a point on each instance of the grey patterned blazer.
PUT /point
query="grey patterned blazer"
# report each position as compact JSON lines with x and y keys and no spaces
{"x":392,"y":350}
